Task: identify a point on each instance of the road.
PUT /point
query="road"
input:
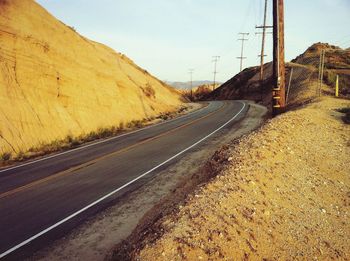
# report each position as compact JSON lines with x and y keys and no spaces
{"x":43,"y":199}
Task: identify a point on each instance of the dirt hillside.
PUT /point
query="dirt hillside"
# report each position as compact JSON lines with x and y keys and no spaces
{"x":246,"y":85}
{"x":55,"y":82}
{"x":199,"y":92}
{"x":285,"y":195}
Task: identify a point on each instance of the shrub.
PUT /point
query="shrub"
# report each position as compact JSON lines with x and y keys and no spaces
{"x":346,"y":117}
{"x":136,"y":124}
{"x":104,"y":132}
{"x":69,"y":138}
{"x":76,"y":142}
{"x":91,"y":136}
{"x":149,"y":91}
{"x":21,"y":156}
{"x":6,"y":156}
{"x":121,"y":126}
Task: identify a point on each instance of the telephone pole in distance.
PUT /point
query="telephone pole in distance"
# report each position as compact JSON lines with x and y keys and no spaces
{"x":190,"y":71}
{"x":243,"y":39}
{"x":215,"y":60}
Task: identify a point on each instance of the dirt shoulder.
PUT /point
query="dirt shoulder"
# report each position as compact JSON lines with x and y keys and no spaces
{"x":125,"y":220}
{"x":284,"y":195}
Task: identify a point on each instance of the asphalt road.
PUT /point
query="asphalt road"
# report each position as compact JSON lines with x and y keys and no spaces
{"x":43,"y":199}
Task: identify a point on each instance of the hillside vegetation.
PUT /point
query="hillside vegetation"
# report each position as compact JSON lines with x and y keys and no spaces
{"x":55,"y":82}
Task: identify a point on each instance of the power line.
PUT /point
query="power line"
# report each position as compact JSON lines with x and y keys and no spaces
{"x":243,"y":39}
{"x":215,"y":60}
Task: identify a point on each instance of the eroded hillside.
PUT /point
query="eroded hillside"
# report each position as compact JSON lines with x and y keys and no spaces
{"x":55,"y":82}
{"x":304,"y":78}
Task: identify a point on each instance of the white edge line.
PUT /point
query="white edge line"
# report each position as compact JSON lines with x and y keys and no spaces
{"x":116,"y":190}
{"x":97,"y":142}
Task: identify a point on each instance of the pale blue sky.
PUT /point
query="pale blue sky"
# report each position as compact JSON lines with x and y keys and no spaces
{"x":167,"y":37}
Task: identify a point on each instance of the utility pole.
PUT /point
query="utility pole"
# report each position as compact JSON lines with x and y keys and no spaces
{"x":279,"y":73}
{"x":190,"y":71}
{"x":262,"y":54}
{"x":215,"y":60}
{"x":243,"y":39}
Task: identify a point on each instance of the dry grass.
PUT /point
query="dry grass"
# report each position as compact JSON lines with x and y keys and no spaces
{"x":71,"y":141}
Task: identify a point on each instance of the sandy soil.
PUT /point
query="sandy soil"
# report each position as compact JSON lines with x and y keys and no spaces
{"x":285,"y":196}
{"x":97,"y":237}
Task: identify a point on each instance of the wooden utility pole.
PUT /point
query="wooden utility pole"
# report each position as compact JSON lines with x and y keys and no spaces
{"x":243,"y":39}
{"x":215,"y":60}
{"x":279,"y":73}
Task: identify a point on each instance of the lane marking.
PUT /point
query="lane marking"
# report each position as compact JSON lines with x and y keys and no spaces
{"x":99,"y":142}
{"x":118,"y":189}
{"x":85,"y":164}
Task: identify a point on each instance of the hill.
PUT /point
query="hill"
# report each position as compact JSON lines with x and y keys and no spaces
{"x":304,"y":80}
{"x":187,"y":85}
{"x":55,"y":82}
{"x":199,"y":92}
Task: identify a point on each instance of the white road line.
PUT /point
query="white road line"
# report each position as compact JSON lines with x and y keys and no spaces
{"x":97,"y":142}
{"x":116,"y":190}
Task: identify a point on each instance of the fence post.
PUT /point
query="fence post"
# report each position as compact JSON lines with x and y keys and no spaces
{"x":290,"y":81}
{"x":322,"y":71}
{"x":337,"y":86}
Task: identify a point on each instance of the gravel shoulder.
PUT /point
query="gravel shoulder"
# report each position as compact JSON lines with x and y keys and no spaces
{"x":284,"y":195}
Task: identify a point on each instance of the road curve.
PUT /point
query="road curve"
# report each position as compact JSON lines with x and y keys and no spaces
{"x":44,"y":199}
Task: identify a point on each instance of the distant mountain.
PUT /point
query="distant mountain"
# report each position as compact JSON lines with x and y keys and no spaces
{"x":187,"y":85}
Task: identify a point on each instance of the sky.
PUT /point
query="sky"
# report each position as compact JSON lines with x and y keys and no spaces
{"x":169,"y":37}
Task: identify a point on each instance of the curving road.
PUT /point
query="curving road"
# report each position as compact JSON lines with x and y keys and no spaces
{"x":43,"y":199}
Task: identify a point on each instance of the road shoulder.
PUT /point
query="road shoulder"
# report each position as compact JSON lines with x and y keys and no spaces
{"x":96,"y":237}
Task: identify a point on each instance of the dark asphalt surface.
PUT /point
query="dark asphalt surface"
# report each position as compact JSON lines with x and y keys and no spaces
{"x":76,"y":179}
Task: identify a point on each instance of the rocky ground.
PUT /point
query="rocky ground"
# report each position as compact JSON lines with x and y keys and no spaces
{"x":285,"y":195}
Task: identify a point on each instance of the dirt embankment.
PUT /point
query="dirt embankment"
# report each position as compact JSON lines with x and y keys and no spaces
{"x":55,"y":83}
{"x":285,"y":195}
{"x":302,"y":75}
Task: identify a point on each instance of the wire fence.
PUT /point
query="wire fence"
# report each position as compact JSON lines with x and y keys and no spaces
{"x":317,"y":75}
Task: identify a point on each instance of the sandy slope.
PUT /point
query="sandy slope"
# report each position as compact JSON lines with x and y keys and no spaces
{"x":286,"y":196}
{"x":55,"y":82}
